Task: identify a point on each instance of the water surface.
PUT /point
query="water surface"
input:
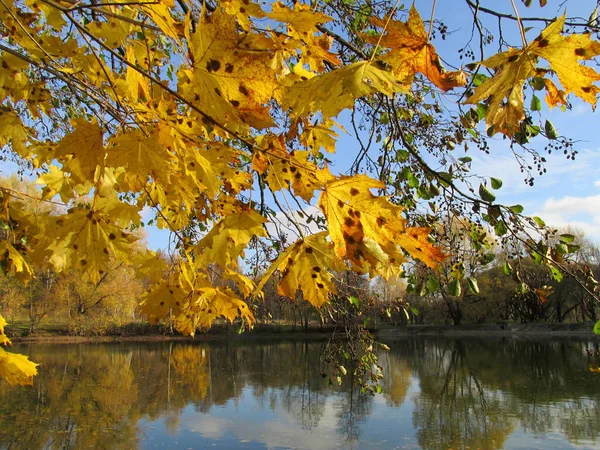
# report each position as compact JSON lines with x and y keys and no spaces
{"x":437,"y":394}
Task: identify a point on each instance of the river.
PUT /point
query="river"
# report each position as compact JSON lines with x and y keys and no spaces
{"x":437,"y":394}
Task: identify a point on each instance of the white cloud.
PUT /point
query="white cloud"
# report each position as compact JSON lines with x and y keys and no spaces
{"x":573,"y":205}
{"x":281,"y":224}
{"x":597,"y":183}
{"x":210,"y":427}
{"x":577,"y":212}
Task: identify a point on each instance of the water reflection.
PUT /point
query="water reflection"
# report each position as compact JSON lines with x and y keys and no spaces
{"x":437,"y":394}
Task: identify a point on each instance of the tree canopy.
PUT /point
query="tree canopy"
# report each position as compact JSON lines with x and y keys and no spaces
{"x":219,"y":122}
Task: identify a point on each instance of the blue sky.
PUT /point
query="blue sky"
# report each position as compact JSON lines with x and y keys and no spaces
{"x":569,"y":193}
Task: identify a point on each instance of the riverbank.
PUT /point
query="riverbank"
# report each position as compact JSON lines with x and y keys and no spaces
{"x":494,"y":329}
{"x":146,"y":333}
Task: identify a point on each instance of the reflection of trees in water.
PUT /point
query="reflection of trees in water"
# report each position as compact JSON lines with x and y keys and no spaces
{"x":472,"y":393}
{"x":397,"y":378}
{"x":352,"y":409}
{"x":93,"y":396}
{"x":453,"y":409}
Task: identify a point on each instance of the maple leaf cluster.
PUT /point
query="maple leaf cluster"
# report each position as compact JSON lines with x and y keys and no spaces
{"x":191,"y":111}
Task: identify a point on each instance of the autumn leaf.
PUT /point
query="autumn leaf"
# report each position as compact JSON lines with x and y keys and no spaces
{"x":14,"y":368}
{"x":291,"y":170}
{"x":367,"y":230}
{"x":338,"y":89}
{"x":302,"y":22}
{"x":88,"y":238}
{"x":226,"y":241}
{"x":193,"y":302}
{"x":140,"y":153}
{"x":504,"y":91}
{"x":15,"y":262}
{"x":12,"y":131}
{"x":81,"y":151}
{"x":230,"y":78}
{"x":410,"y":52}
{"x":306,"y":266}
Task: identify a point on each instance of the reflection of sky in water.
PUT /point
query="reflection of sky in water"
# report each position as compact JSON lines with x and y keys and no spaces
{"x":438,"y":394}
{"x":247,"y":423}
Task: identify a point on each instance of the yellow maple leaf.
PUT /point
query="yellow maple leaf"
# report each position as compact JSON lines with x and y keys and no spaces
{"x":504,"y":91}
{"x":14,"y":368}
{"x":367,"y":230}
{"x":230,"y":79}
{"x":320,"y":136}
{"x":306,"y":266}
{"x":4,"y":340}
{"x":288,"y":170}
{"x":81,"y":151}
{"x":227,"y":240}
{"x":114,"y":32}
{"x":160,"y":12}
{"x":338,"y":89}
{"x":302,"y":24}
{"x":411,"y":52}
{"x":192,"y":301}
{"x":88,"y":238}
{"x":15,"y":262}
{"x":140,"y":153}
{"x":243,"y":10}
{"x":12,"y":131}
{"x":56,"y":182}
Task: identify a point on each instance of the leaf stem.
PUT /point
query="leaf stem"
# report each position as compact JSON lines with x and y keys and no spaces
{"x":387,"y":22}
{"x":521,"y":29}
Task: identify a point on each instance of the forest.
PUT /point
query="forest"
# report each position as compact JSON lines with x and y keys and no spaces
{"x":489,"y":292}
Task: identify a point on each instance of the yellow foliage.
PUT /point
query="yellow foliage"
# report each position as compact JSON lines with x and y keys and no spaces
{"x":411,"y":52}
{"x":368,"y":230}
{"x":504,"y":90}
{"x":185,"y":116}
{"x":15,"y":369}
{"x":306,"y":266}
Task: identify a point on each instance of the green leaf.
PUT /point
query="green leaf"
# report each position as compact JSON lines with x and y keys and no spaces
{"x":517,"y":209}
{"x":413,"y":181}
{"x":556,"y":274}
{"x":445,"y":179}
{"x":507,"y":268}
{"x":536,"y":103}
{"x":496,"y":183}
{"x":478,"y":79}
{"x":537,"y":257}
{"x":485,"y":194}
{"x":414,"y":310}
{"x":550,"y":130}
{"x":567,"y":238}
{"x":540,"y":222}
{"x":465,"y":159}
{"x":432,"y":284}
{"x":572,"y":248}
{"x":354,"y":301}
{"x":473,"y":286}
{"x":454,"y":288}
{"x":488,"y":258}
{"x":561,"y":248}
{"x":522,"y":288}
{"x":500,"y":229}
{"x":597,"y":328}
{"x":537,"y":83}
